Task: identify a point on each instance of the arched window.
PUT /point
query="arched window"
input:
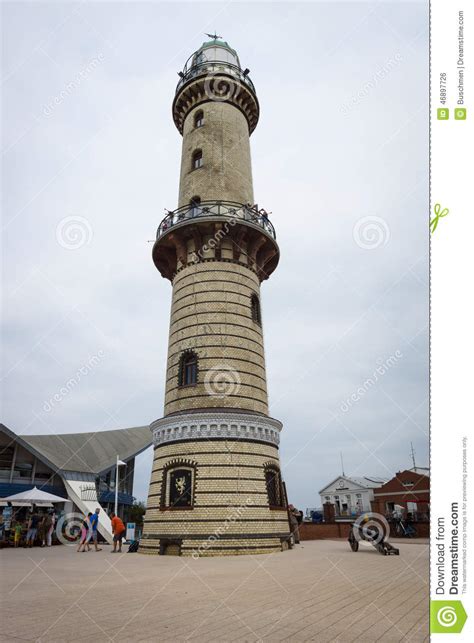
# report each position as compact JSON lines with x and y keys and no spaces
{"x":274,"y":487}
{"x":177,"y":489}
{"x":195,"y":206}
{"x":199,"y":119}
{"x":255,"y":309}
{"x":188,"y":369}
{"x":197,"y":159}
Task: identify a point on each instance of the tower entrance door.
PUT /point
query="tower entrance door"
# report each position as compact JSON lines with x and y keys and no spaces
{"x":170,"y":547}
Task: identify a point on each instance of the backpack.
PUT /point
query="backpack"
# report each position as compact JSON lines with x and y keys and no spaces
{"x":133,"y":548}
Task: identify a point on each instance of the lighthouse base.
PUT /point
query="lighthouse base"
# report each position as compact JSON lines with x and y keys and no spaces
{"x":216,"y":487}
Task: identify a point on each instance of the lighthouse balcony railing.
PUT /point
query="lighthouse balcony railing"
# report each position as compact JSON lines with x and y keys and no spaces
{"x":212,"y":68}
{"x":234,"y":211}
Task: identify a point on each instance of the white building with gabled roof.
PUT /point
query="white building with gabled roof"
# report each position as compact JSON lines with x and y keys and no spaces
{"x":351,"y":495}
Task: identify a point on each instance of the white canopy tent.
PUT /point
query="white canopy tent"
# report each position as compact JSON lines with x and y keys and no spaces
{"x":34,"y":496}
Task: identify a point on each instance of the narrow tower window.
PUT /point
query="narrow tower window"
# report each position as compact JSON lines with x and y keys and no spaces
{"x":199,"y":119}
{"x":197,"y":159}
{"x":255,"y":309}
{"x":274,"y":487}
{"x":195,"y":206}
{"x":188,"y":369}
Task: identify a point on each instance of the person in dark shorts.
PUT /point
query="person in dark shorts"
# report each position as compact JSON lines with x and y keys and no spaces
{"x":94,"y":520}
{"x":32,"y":532}
{"x":118,"y":530}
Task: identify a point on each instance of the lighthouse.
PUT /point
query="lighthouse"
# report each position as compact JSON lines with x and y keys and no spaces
{"x":216,"y":486}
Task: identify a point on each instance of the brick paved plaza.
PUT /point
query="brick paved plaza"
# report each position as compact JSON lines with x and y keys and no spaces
{"x":319,"y":591}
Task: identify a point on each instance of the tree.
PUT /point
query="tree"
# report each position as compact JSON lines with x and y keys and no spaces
{"x":136,"y":513}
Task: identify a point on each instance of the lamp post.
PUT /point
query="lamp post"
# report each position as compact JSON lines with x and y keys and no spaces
{"x":118,"y":464}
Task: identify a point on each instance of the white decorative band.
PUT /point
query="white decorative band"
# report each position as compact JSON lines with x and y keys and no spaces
{"x":201,"y":426}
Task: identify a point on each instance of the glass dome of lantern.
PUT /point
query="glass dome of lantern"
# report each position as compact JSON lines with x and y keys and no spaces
{"x":213,"y":57}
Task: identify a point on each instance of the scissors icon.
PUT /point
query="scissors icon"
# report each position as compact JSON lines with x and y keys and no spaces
{"x":438,"y":215}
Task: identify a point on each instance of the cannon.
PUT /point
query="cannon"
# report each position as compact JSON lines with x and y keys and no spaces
{"x":373,"y":534}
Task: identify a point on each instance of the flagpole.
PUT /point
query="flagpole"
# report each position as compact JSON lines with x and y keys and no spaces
{"x":116,"y":485}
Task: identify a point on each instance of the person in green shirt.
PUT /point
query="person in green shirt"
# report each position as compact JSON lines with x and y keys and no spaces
{"x":18,"y":530}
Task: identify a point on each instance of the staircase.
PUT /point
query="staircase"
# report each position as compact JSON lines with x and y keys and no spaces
{"x":84,"y":497}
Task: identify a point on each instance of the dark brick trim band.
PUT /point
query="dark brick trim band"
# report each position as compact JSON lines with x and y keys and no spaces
{"x":258,"y":536}
{"x":232,"y":465}
{"x":177,"y":289}
{"x":230,"y":507}
{"x":224,"y":464}
{"x":202,"y":492}
{"x":203,"y":358}
{"x":192,"y":274}
{"x":222,"y":304}
{"x":216,"y":409}
{"x":190,"y":520}
{"x":206,"y":292}
{"x":234,"y":548}
{"x":179,"y":400}
{"x":227,"y":347}
{"x":215,"y":323}
{"x":202,"y":373}
{"x":194,"y":335}
{"x":220,"y":478}
{"x":256,"y":329}
{"x":275,"y":547}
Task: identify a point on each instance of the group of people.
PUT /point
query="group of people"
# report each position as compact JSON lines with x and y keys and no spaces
{"x":89,"y":532}
{"x":36,"y":526}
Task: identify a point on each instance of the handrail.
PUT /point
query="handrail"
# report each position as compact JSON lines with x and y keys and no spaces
{"x":213,"y":67}
{"x":235,"y":211}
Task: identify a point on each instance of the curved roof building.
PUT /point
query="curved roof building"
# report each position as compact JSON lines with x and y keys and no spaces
{"x":80,"y":467}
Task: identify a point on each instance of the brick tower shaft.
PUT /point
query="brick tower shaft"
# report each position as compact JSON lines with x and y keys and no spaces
{"x":216,"y":448}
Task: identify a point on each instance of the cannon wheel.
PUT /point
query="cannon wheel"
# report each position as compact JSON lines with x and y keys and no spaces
{"x":353,"y":542}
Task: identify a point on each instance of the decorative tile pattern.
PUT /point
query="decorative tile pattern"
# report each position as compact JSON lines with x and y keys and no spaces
{"x":201,"y":426}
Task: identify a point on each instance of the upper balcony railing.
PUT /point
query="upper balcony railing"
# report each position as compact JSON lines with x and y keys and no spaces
{"x":233,"y":211}
{"x":211,"y":68}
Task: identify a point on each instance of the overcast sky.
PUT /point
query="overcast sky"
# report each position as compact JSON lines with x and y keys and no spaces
{"x":340,"y":159}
